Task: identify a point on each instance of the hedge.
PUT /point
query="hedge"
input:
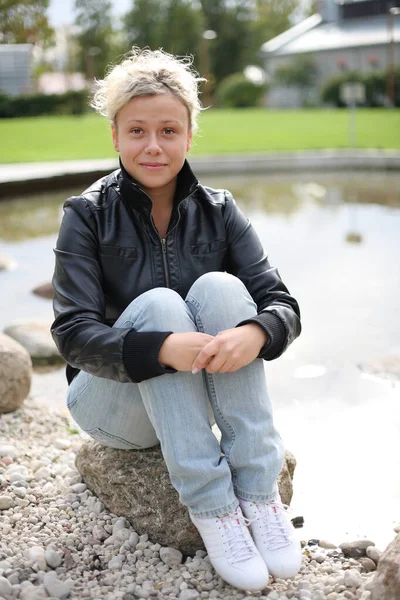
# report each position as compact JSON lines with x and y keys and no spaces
{"x":375,"y":87}
{"x":70,"y":103}
{"x":236,"y":91}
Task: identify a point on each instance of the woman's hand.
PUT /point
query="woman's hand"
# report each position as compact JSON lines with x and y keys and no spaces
{"x":231,"y":349}
{"x":179,"y":350}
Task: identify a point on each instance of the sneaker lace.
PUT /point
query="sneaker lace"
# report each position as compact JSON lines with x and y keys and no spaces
{"x":275,"y":522}
{"x":236,"y":537}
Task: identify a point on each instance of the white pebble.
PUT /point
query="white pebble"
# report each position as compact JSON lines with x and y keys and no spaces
{"x":42,"y":473}
{"x":6,"y":502}
{"x":352,"y":578}
{"x":55,"y":587}
{"x":52,"y":558}
{"x":5,"y":587}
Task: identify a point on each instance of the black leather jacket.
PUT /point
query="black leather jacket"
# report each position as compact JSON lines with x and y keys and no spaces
{"x":109,"y":252}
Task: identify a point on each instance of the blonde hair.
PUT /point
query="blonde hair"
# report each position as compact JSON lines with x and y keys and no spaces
{"x":148,"y":72}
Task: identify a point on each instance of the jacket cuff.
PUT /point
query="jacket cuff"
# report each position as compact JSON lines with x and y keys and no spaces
{"x":275,"y":329}
{"x":140,"y":354}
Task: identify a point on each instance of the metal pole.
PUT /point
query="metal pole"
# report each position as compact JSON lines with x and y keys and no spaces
{"x":390,"y":66}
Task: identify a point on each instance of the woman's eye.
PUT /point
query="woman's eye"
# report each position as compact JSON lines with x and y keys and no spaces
{"x":169,"y":131}
{"x":136,"y":130}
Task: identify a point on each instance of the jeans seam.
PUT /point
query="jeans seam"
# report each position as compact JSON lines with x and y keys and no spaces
{"x":212,"y":394}
{"x":111,"y":436}
{"x":75,"y":400}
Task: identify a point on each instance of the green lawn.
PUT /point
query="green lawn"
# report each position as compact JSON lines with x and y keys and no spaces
{"x":251,"y":130}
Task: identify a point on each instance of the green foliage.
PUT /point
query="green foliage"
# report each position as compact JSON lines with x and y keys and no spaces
{"x":236,"y":91}
{"x":95,"y":36}
{"x":25,"y":22}
{"x":375,"y":87}
{"x":174,"y":25}
{"x":70,"y":103}
{"x":177,"y":26}
{"x":301,"y":72}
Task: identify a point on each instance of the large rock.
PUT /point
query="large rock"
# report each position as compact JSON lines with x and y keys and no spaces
{"x":387,"y":578}
{"x":387,"y":366}
{"x":35,"y":336}
{"x":6,"y":262}
{"x":15,"y":374}
{"x":135,"y":484}
{"x":45,"y":290}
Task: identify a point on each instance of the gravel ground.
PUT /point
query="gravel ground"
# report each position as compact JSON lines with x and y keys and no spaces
{"x":57,"y":540}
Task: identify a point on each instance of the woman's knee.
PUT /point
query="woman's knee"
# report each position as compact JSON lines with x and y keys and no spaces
{"x":223,"y":294}
{"x":157,"y":309}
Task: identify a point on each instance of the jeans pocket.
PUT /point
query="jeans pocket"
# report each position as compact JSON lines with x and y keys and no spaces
{"x":108,"y":439}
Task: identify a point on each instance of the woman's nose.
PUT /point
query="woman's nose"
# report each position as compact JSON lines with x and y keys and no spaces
{"x":153,"y":146}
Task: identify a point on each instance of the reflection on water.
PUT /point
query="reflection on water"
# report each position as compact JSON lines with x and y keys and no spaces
{"x":339,"y":425}
{"x":39,"y":215}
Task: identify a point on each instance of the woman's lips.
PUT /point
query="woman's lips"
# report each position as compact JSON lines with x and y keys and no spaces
{"x":152,"y":166}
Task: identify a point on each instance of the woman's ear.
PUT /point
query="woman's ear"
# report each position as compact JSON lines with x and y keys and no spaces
{"x":115,"y":136}
{"x":189,"y":141}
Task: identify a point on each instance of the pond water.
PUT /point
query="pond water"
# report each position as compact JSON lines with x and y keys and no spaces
{"x":336,"y":240}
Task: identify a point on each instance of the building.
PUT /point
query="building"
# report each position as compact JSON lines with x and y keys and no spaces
{"x":16,"y":69}
{"x":346,"y":35}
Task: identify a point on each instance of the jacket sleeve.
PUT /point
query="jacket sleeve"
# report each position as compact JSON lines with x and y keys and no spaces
{"x":79,"y":329}
{"x":278,"y":312}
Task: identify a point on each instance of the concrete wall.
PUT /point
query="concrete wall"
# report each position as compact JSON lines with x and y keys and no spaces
{"x":15,"y":69}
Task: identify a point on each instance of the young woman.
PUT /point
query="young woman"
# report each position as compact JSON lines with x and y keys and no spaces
{"x":165,"y":307}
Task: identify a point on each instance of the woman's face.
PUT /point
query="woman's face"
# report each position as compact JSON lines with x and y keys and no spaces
{"x":152,"y":136}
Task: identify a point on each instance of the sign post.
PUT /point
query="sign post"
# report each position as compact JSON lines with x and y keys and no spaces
{"x":351,"y":94}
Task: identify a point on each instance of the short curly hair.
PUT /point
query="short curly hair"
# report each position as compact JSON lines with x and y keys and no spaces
{"x":146,"y":72}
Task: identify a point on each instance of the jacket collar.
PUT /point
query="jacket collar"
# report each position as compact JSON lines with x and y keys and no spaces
{"x":137,"y":198}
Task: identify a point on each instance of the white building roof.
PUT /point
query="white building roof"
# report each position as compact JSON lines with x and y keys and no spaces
{"x":319,"y":36}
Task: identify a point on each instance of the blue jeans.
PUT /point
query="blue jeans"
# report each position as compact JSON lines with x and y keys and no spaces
{"x":173,"y":409}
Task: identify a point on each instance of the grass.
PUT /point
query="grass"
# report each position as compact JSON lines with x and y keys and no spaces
{"x":221,"y":131}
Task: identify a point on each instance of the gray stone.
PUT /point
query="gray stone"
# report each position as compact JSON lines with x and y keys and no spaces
{"x":15,"y":374}
{"x":171,"y":556}
{"x":374,"y":554}
{"x":355,"y":549}
{"x":386,"y":585}
{"x":136,"y":485}
{"x":188,"y":595}
{"x":368,"y":564}
{"x":35,"y":336}
{"x":326,"y":545}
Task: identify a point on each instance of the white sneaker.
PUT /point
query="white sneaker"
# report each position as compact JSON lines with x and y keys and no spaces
{"x":274,"y":536}
{"x":231,"y":550}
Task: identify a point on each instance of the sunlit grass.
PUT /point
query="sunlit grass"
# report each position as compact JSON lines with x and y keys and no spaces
{"x":221,"y":131}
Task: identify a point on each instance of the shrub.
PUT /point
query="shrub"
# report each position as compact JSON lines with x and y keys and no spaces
{"x":70,"y":103}
{"x":236,"y":91}
{"x":375,"y":87}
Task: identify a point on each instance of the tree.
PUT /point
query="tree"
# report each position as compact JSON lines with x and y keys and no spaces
{"x":174,"y":25}
{"x":95,"y":37}
{"x":242,"y":26}
{"x":25,"y":22}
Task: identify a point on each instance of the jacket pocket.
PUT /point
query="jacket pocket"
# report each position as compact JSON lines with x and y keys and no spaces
{"x":119,"y":252}
{"x":209,"y":248}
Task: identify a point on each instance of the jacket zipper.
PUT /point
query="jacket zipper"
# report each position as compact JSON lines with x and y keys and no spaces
{"x":164,"y":241}
{"x":165,"y":263}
